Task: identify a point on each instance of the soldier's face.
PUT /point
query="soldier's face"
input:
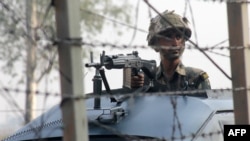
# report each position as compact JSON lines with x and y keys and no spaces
{"x":172,"y":45}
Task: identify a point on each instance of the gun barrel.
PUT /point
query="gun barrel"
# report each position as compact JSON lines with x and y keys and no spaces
{"x":121,"y":61}
{"x":92,"y":65}
{"x":114,"y":64}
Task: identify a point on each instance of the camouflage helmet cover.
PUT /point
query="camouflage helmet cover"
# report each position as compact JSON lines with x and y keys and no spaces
{"x":167,"y":20}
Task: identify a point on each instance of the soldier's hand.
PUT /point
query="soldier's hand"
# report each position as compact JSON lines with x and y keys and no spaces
{"x":137,"y":80}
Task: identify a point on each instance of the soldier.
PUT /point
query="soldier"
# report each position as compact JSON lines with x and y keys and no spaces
{"x":167,"y":35}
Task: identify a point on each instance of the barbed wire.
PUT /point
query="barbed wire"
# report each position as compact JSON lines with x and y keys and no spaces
{"x":67,"y":96}
{"x":59,"y":122}
{"x":22,"y":110}
{"x":189,"y":40}
{"x":17,"y":90}
{"x":9,"y":98}
{"x":114,"y":21}
{"x":135,"y":29}
{"x":173,"y":138}
{"x":115,"y":132}
{"x":37,"y":129}
{"x":124,"y":46}
{"x":91,"y":95}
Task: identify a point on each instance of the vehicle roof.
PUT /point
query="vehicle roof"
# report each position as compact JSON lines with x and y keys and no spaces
{"x":153,"y":116}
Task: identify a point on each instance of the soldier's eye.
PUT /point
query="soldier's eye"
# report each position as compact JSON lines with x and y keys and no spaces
{"x":169,"y":35}
{"x":172,"y":34}
{"x":178,"y":36}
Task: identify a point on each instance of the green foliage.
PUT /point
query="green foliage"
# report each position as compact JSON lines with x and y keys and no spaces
{"x":11,"y":42}
{"x":95,"y":13}
{"x":15,"y":36}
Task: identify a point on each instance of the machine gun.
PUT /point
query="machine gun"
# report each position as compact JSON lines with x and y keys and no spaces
{"x":121,"y":61}
{"x":132,"y":61}
{"x":127,"y":62}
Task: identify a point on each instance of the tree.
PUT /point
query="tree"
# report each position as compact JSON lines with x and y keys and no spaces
{"x":28,"y":31}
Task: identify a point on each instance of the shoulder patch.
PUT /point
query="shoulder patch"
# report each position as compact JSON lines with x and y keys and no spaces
{"x":204,"y":75}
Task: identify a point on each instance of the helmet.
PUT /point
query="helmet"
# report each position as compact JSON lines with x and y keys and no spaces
{"x":167,"y":20}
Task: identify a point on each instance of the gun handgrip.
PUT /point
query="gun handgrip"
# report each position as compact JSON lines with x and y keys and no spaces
{"x":134,"y":71}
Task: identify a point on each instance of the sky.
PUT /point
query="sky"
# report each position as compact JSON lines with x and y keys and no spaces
{"x":208,"y":21}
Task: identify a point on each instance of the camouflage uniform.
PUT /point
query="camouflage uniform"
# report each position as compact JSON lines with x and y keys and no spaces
{"x":184,"y":78}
